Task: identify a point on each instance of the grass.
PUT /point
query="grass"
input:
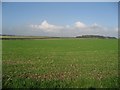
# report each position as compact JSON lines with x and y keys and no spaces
{"x":60,"y":63}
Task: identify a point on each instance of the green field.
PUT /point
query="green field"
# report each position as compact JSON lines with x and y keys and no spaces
{"x":60,"y":63}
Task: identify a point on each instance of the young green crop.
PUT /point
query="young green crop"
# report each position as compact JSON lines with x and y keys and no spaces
{"x":60,"y":63}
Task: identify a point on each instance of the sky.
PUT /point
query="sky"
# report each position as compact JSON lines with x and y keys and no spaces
{"x":65,"y":19}
{"x":0,"y":17}
{"x":60,"y":0}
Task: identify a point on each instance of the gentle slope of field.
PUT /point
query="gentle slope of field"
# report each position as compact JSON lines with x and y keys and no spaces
{"x":82,"y":63}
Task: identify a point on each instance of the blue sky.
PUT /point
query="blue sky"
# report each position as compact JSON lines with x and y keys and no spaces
{"x":0,"y":18}
{"x":60,"y":0}
{"x":18,"y":17}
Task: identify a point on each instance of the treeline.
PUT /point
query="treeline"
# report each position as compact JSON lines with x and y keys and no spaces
{"x":6,"y":35}
{"x":96,"y":36}
{"x":15,"y":37}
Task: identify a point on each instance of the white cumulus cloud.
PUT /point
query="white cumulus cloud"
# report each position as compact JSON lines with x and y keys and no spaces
{"x":77,"y":28}
{"x":95,"y":25}
{"x":80,"y":25}
{"x":46,"y":26}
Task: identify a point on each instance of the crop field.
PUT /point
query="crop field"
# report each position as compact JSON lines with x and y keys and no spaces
{"x":60,"y":63}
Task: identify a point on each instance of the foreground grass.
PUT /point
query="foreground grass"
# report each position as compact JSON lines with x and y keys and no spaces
{"x":72,"y":63}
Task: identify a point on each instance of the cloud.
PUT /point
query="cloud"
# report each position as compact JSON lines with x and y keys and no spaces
{"x":80,"y":25}
{"x":95,"y":25}
{"x":46,"y":27}
{"x":116,"y":29}
{"x":67,"y":26}
{"x":77,"y":28}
